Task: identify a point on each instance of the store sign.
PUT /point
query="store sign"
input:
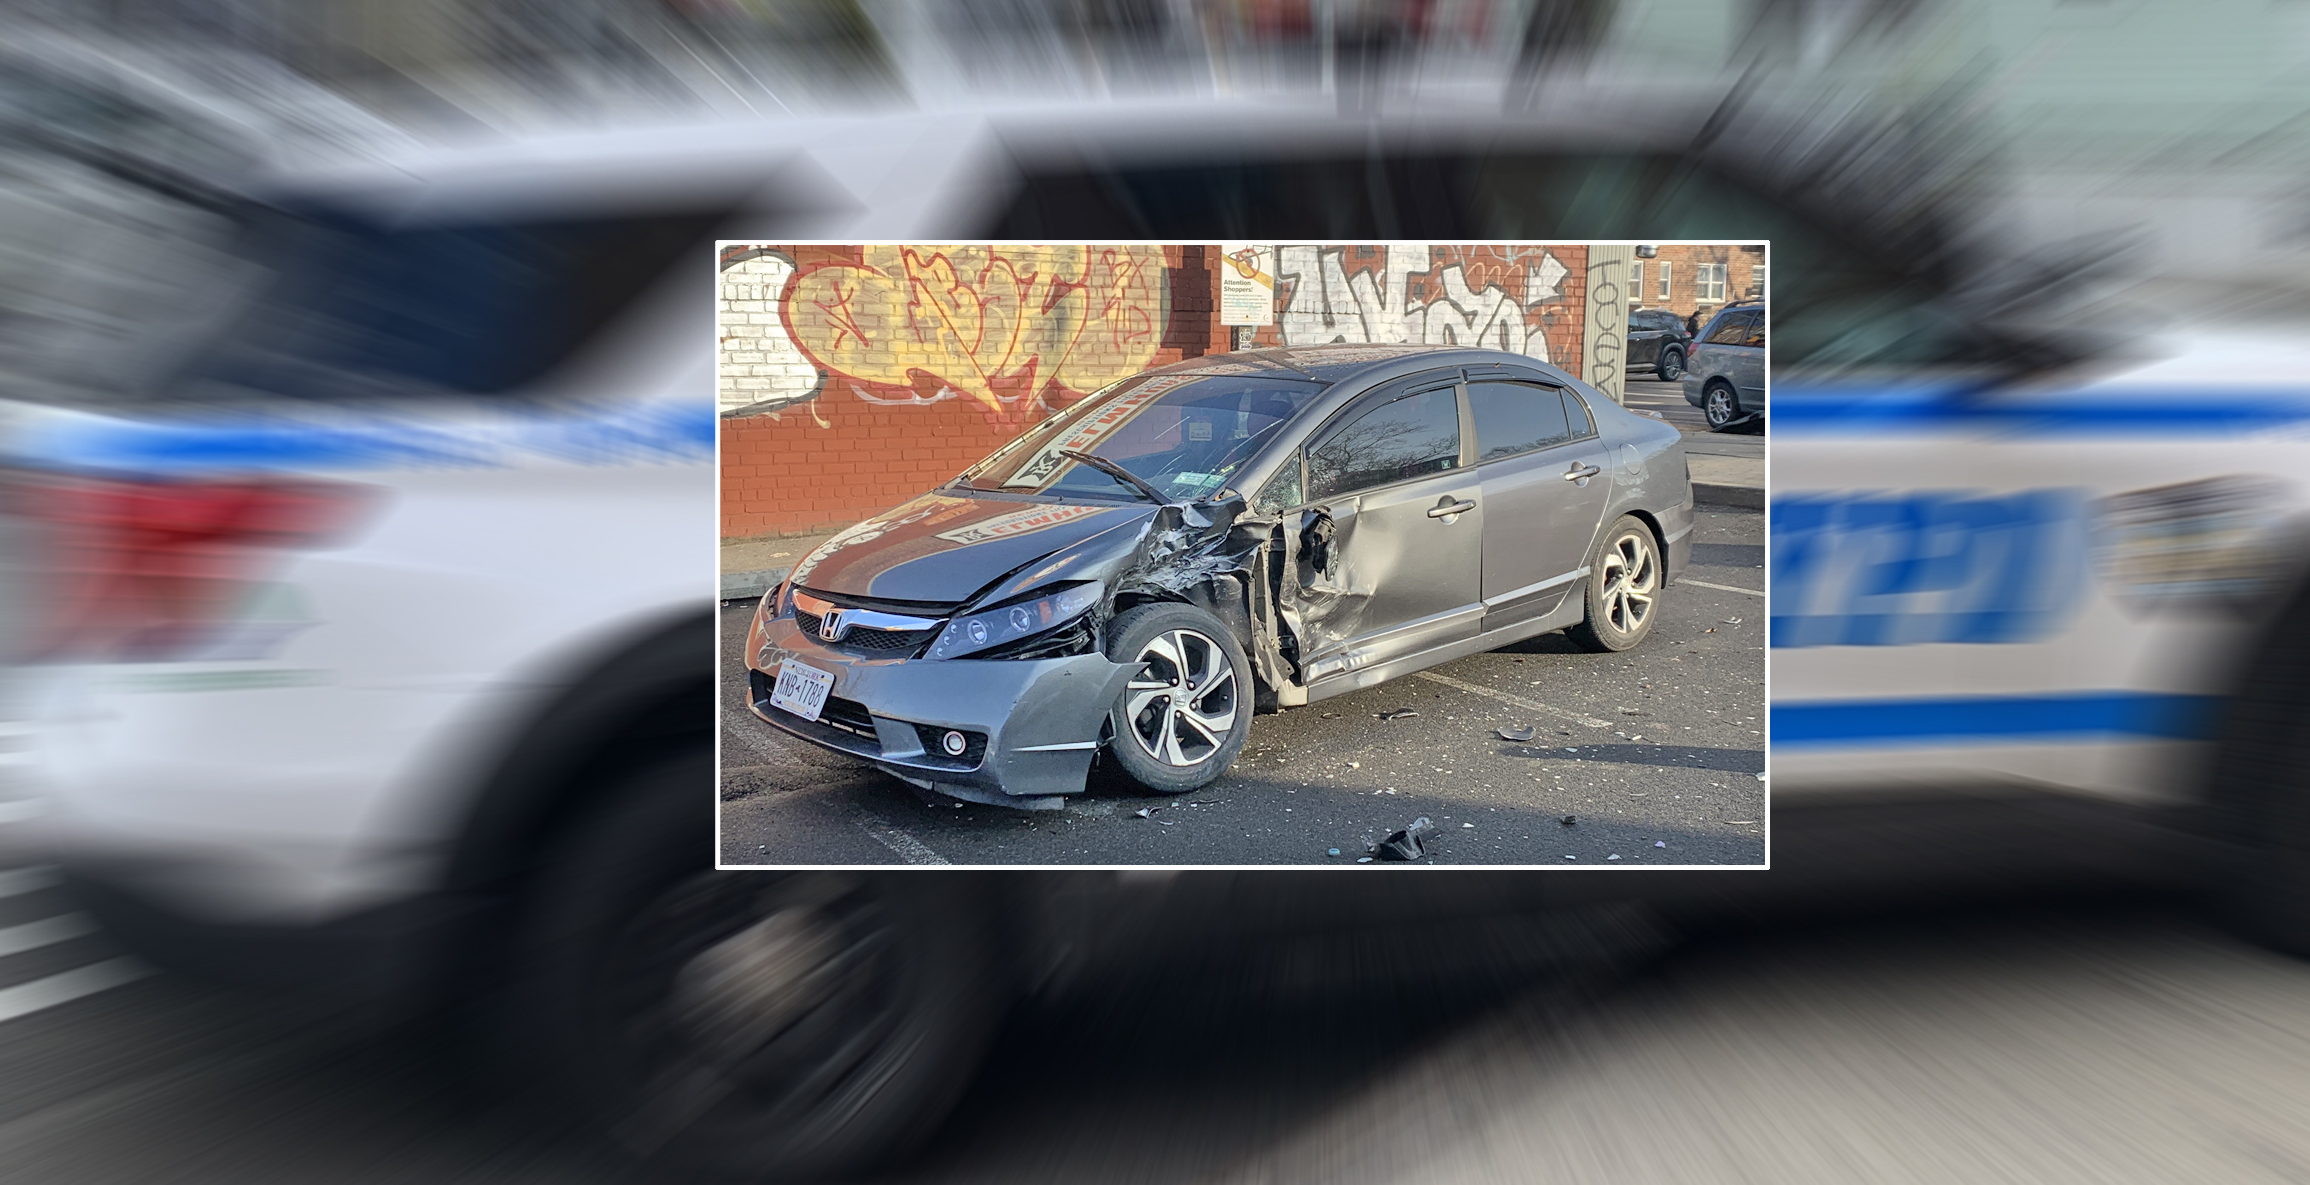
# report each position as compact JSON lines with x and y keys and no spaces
{"x":1246,"y":284}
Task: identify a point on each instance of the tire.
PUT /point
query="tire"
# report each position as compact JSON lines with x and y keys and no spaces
{"x":2259,"y":808}
{"x":1671,"y":366}
{"x":793,"y":1025}
{"x":1180,"y":720}
{"x":1720,"y":406}
{"x":1624,"y":579}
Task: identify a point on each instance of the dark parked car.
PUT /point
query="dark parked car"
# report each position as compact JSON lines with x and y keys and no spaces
{"x":1725,"y":372}
{"x":1658,"y":339}
{"x":1229,"y":534}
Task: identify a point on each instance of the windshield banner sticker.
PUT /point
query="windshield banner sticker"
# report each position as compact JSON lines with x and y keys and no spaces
{"x":1048,"y":463}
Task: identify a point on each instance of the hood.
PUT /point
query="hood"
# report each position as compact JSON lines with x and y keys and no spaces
{"x":942,"y":548}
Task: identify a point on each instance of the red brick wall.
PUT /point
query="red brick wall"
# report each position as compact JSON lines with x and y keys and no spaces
{"x":853,"y":378}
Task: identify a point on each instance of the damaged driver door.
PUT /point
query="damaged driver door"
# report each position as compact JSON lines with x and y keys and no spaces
{"x":1393,"y":496}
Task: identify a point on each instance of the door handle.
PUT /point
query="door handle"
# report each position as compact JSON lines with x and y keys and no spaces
{"x":1578,"y":473}
{"x":1448,"y":509}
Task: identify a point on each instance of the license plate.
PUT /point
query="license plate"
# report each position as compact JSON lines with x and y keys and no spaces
{"x":801,"y":690}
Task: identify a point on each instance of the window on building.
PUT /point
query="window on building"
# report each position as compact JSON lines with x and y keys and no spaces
{"x":1757,"y":281}
{"x":1708,"y":282}
{"x":1636,"y":281}
{"x":1665,"y":267}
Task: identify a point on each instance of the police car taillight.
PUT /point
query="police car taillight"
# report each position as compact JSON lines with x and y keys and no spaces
{"x":141,"y":571}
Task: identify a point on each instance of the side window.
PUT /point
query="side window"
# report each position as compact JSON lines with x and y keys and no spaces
{"x":1282,"y":490}
{"x":1514,"y":418}
{"x":1756,"y":335}
{"x":1731,"y":329}
{"x":1576,"y":413}
{"x":1403,"y":438}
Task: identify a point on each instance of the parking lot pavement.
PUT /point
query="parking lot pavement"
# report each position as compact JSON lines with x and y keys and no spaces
{"x":1655,"y":754}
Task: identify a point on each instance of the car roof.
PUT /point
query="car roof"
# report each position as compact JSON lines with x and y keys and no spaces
{"x":1337,"y":362}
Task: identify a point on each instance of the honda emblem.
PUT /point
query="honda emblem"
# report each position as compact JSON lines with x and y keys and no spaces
{"x":831,"y":627}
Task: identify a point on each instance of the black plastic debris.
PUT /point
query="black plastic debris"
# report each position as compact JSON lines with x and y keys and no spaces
{"x":1398,"y":713}
{"x":1569,"y":820}
{"x":1406,"y":844}
{"x":1516,"y":734}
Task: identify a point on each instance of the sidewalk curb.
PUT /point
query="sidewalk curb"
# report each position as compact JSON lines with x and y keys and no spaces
{"x":741,"y":586}
{"x":1742,"y":497}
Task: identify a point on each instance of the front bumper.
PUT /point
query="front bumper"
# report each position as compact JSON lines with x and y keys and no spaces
{"x":1033,"y":725}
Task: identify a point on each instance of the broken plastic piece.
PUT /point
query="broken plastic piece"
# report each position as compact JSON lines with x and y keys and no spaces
{"x":1331,"y":851}
{"x":1405,"y":844}
{"x":1363,"y":859}
{"x":1613,"y":856}
{"x":1516,"y":734}
{"x":1398,"y":713}
{"x":1569,"y":820}
{"x":1467,"y":824}
{"x":1660,"y":843}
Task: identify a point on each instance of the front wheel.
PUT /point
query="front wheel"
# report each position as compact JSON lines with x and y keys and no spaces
{"x":1671,"y":365}
{"x":1624,"y":581}
{"x":1720,"y":408}
{"x":1186,"y":710}
{"x":787,"y":1025}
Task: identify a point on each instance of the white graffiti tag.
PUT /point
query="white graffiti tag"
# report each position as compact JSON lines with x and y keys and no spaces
{"x":1328,"y":305}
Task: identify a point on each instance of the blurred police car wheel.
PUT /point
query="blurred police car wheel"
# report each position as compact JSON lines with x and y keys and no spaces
{"x":2261,"y":798}
{"x":780,"y":1025}
{"x":1624,"y":575}
{"x":1184,"y":715}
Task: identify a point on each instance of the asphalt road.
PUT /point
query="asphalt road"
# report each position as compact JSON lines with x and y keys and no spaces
{"x":1656,"y":754}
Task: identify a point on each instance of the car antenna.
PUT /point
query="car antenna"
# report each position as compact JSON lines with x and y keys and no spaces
{"x":1117,"y":472}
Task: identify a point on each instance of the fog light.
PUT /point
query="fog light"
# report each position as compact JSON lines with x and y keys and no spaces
{"x":954,"y":743}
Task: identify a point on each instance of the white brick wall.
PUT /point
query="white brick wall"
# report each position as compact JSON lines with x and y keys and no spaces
{"x":759,"y":363}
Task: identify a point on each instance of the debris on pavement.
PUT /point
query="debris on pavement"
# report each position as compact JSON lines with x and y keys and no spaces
{"x":1331,"y":716}
{"x":1569,"y":820}
{"x":1516,"y":734}
{"x":1148,"y":812}
{"x":1355,"y":765}
{"x":1731,"y":621}
{"x":1613,"y":856}
{"x":1467,"y":824}
{"x":1398,"y":713}
{"x":1660,"y":843}
{"x":1331,"y":851}
{"x":1405,"y":844}
{"x":1363,"y":859}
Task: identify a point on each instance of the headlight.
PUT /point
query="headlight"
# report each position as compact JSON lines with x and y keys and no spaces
{"x":974,"y":632}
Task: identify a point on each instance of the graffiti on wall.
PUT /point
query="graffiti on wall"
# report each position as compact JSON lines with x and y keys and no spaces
{"x":1505,"y":298}
{"x":1018,"y":329}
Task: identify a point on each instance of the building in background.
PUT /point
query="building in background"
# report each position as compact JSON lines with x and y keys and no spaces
{"x":1687,"y":279}
{"x":852,"y":378}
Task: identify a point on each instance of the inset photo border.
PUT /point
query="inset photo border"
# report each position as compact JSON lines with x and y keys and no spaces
{"x":1242,"y":555}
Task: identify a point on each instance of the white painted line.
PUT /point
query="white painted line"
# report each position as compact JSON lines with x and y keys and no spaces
{"x":66,"y":986}
{"x":45,"y":932}
{"x":909,"y":849}
{"x":15,"y":882}
{"x":1526,"y":704}
{"x":19,"y":810}
{"x":1721,"y":587}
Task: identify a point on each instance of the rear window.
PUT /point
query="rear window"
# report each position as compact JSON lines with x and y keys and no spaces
{"x":348,"y":308}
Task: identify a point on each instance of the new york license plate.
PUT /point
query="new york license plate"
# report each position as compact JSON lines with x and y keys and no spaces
{"x":801,"y":690}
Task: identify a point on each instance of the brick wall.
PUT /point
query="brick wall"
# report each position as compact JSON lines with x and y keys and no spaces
{"x":1741,"y":279}
{"x":854,"y":377}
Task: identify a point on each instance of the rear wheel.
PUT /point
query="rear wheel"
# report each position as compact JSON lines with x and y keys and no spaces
{"x":1671,"y":364}
{"x":1624,"y":580}
{"x":1720,"y":407}
{"x":1186,"y":711}
{"x":2261,"y":795}
{"x":788,"y":1025}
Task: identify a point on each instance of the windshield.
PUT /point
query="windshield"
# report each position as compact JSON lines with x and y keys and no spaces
{"x":1184,"y":434}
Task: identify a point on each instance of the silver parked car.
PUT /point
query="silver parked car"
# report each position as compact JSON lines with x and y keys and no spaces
{"x":1725,"y":375}
{"x":1105,"y":583}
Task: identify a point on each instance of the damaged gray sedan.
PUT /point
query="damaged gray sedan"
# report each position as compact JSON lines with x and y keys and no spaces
{"x":1140,"y":574}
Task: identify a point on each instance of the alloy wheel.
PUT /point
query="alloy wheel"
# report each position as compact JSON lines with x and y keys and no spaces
{"x":1631,"y":580}
{"x":1720,"y":407}
{"x":1182,"y":704}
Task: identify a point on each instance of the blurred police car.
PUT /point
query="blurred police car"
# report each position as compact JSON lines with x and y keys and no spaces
{"x":371,"y":638}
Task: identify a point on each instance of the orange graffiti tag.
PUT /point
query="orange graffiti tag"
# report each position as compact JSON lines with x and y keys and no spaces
{"x":994,"y":323}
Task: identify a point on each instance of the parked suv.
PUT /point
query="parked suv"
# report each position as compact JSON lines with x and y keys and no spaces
{"x":1725,"y":375}
{"x":1657,"y":338}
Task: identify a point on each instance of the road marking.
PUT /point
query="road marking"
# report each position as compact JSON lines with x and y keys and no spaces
{"x":15,"y":882}
{"x":1721,"y":587}
{"x":909,"y":849}
{"x":45,"y":932}
{"x":66,"y":986}
{"x":1519,"y":701}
